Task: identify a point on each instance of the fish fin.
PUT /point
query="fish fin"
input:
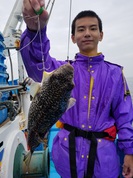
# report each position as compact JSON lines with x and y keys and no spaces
{"x":27,"y":158}
{"x":46,"y":75}
{"x":34,"y":88}
{"x":71,"y":103}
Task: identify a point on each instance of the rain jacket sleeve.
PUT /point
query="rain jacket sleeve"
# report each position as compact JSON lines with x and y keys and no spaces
{"x":36,"y":50}
{"x":123,"y":112}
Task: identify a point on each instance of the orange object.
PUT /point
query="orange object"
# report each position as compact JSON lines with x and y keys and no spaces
{"x":59,"y":124}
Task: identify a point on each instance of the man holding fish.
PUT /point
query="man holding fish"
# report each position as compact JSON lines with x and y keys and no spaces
{"x":84,"y":147}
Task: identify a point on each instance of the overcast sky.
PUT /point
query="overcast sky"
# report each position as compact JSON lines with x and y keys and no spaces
{"x":117,"y":17}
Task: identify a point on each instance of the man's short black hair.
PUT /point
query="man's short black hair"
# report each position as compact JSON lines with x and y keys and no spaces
{"x":86,"y":13}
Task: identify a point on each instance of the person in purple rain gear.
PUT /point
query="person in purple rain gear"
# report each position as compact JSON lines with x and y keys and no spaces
{"x":84,"y":147}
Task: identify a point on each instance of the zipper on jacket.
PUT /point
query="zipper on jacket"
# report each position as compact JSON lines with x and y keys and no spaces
{"x":90,"y":95}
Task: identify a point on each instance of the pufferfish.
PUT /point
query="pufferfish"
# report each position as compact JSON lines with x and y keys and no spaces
{"x":51,"y":98}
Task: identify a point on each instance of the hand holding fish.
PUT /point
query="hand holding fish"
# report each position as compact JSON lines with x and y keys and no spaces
{"x":31,"y":10}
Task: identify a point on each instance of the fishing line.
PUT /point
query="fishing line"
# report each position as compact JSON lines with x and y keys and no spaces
{"x":41,"y":45}
{"x":36,"y":16}
{"x":40,"y":37}
{"x":43,"y":62}
{"x":10,"y":55}
{"x":70,"y":12}
{"x":31,"y":40}
{"x":48,"y":4}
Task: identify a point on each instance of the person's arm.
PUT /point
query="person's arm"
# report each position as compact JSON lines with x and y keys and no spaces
{"x":123,"y":112}
{"x":35,"y":51}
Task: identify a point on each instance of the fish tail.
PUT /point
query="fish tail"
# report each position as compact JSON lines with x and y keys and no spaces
{"x":27,"y":158}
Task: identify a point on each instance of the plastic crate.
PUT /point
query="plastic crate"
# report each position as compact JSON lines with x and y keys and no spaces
{"x":3,"y":68}
{"x":40,"y":147}
{"x":2,"y":57}
{"x":3,"y":78}
{"x":3,"y":115}
{"x":5,"y":96}
{"x":3,"y":109}
{"x":15,"y":82}
{"x":1,"y":37}
{"x":2,"y":46}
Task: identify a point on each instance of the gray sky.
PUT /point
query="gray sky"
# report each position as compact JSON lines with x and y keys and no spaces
{"x":117,"y":17}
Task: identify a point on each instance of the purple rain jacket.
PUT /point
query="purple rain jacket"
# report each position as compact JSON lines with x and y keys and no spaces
{"x":101,"y":101}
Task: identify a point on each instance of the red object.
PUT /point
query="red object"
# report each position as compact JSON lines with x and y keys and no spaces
{"x":112,"y":132}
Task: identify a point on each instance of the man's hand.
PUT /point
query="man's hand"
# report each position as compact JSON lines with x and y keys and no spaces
{"x":128,"y":166}
{"x":30,"y":17}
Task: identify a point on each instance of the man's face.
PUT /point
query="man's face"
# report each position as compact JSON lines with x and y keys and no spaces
{"x":87,"y":35}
